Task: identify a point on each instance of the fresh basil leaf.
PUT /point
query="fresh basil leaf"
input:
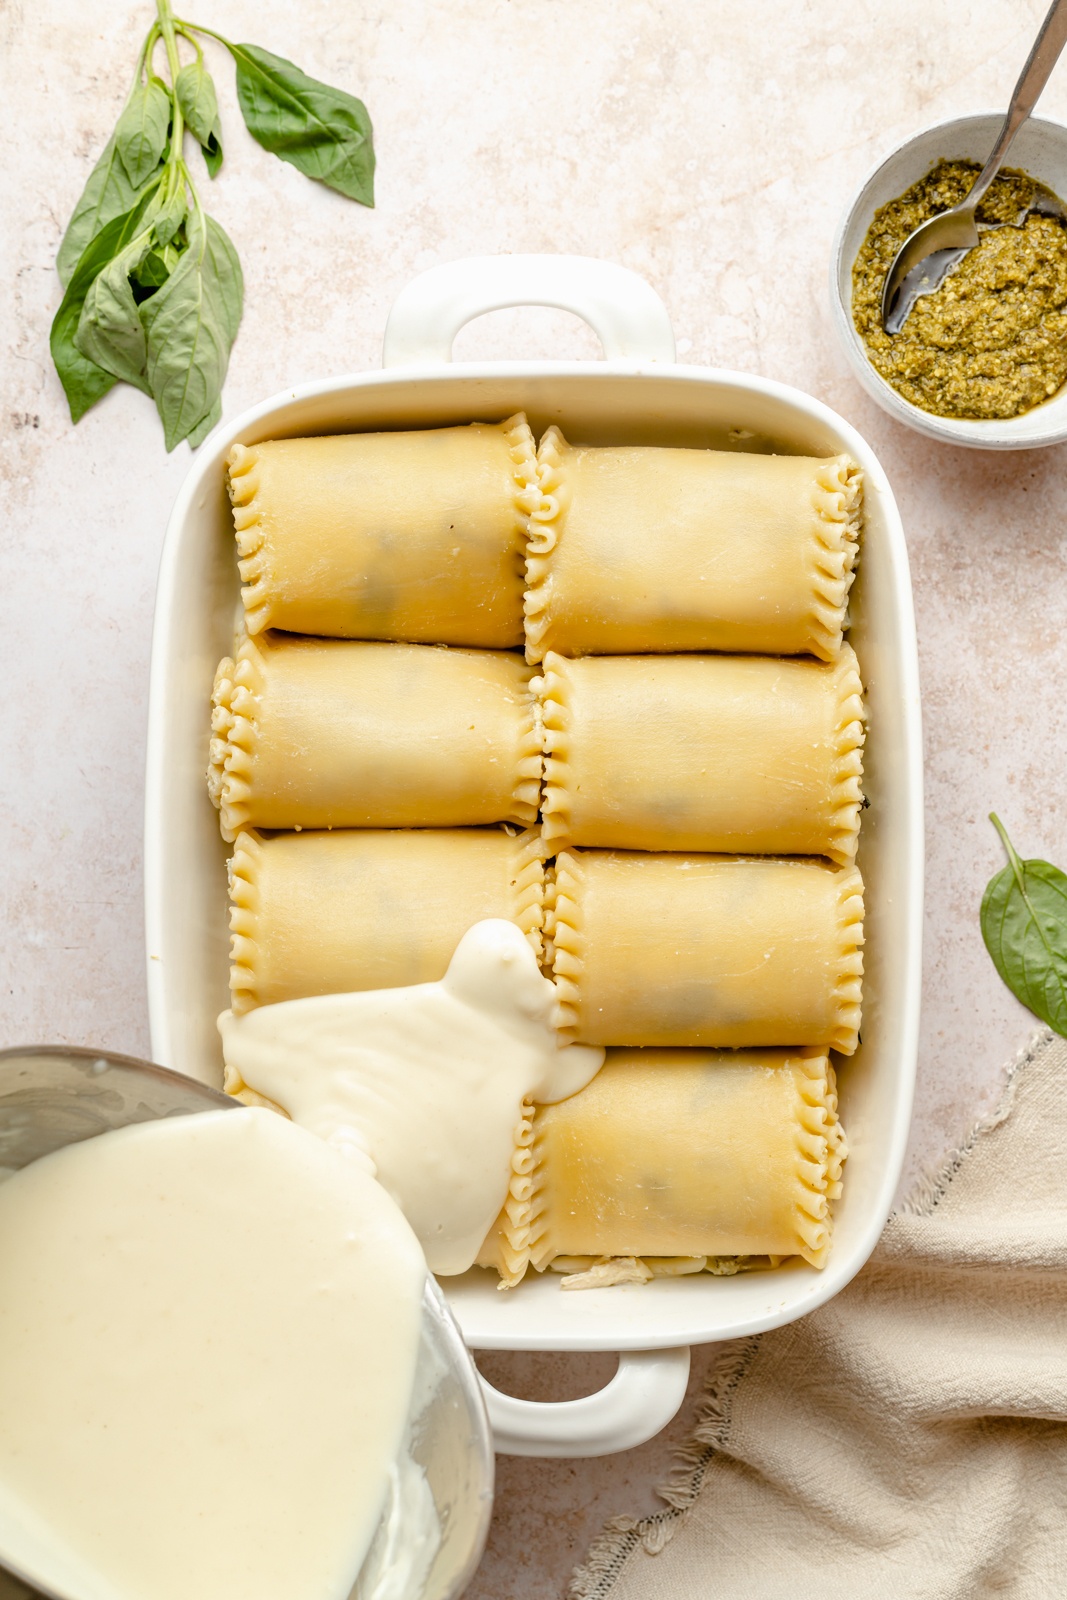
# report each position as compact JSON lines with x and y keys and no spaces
{"x":212,"y":154}
{"x":84,"y":383}
{"x":109,"y":329}
{"x":227,"y":274}
{"x":170,"y":216}
{"x":108,"y":193}
{"x":141,"y":131}
{"x":83,"y":380}
{"x":203,"y":428}
{"x":190,"y":325}
{"x":1024,"y":925}
{"x":195,"y":89}
{"x":323,"y":131}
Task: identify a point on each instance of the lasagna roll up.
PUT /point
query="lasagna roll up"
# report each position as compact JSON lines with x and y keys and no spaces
{"x":640,"y":549}
{"x":414,"y":536}
{"x":333,"y":733}
{"x":678,"y":1158}
{"x":722,"y":951}
{"x":725,"y":753}
{"x":329,"y":913}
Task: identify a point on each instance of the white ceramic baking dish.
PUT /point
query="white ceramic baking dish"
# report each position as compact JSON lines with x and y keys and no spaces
{"x":637,"y":394}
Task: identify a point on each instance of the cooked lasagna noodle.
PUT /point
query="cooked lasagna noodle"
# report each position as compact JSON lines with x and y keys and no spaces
{"x":677,"y":1161}
{"x":638,"y":548}
{"x":672,"y":949}
{"x":317,"y":733}
{"x":727,"y":753}
{"x":416,"y":536}
{"x":328,"y":913}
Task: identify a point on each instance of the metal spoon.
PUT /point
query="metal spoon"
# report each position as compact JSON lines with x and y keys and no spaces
{"x":927,"y":256}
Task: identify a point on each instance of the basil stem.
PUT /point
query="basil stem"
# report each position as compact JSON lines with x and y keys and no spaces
{"x":154,"y":290}
{"x":170,"y":42}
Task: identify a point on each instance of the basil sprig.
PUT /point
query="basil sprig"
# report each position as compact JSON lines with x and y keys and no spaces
{"x":153,"y":290}
{"x":1024,"y":925}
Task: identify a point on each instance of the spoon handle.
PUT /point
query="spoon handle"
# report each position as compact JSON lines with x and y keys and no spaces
{"x":1033,"y":78}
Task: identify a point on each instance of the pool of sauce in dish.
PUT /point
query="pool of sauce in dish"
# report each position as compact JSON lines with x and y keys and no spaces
{"x":423,"y":1085}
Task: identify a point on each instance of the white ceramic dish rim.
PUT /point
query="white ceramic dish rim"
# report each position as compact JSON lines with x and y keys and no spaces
{"x":1037,"y":429}
{"x":655,"y":1330}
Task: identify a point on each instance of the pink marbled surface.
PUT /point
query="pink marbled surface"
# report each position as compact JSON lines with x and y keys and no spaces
{"x":710,"y":148}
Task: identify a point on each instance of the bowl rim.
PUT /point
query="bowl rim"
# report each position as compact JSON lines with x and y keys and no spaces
{"x":974,"y":434}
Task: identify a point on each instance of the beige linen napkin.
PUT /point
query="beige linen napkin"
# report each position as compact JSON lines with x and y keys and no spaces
{"x":908,"y":1440}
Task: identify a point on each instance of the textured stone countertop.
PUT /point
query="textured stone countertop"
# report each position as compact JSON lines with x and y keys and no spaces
{"x":709,"y":147}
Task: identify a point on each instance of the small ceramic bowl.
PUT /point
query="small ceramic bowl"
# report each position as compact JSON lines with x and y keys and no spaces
{"x":1040,"y":149}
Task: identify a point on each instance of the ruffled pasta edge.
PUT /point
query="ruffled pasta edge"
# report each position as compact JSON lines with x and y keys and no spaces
{"x":821,"y":1150}
{"x":221,"y":723}
{"x":243,"y":482}
{"x":235,"y":700}
{"x":529,"y":761}
{"x":553,"y":689}
{"x":848,"y":980}
{"x":846,"y":781}
{"x":506,"y":1247}
{"x":542,"y":538}
{"x":243,"y":869}
{"x":837,"y":501}
{"x":235,"y":1086}
{"x":528,"y":887}
{"x":565,"y":940}
{"x":526,"y":477}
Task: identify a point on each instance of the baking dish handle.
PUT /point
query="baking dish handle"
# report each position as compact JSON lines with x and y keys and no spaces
{"x":622,"y":309}
{"x":641,"y":1399}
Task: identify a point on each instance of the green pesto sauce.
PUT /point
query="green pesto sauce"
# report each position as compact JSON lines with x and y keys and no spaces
{"x":992,"y":341}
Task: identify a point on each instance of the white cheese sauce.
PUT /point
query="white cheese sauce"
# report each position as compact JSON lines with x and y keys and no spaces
{"x":424,"y":1085}
{"x":208,"y":1334}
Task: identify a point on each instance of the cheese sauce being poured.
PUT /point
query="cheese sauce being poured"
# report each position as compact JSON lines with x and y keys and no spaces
{"x":424,"y":1085}
{"x":208,"y":1335}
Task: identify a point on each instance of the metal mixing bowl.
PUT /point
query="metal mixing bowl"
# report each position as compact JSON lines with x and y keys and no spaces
{"x":55,"y":1096}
